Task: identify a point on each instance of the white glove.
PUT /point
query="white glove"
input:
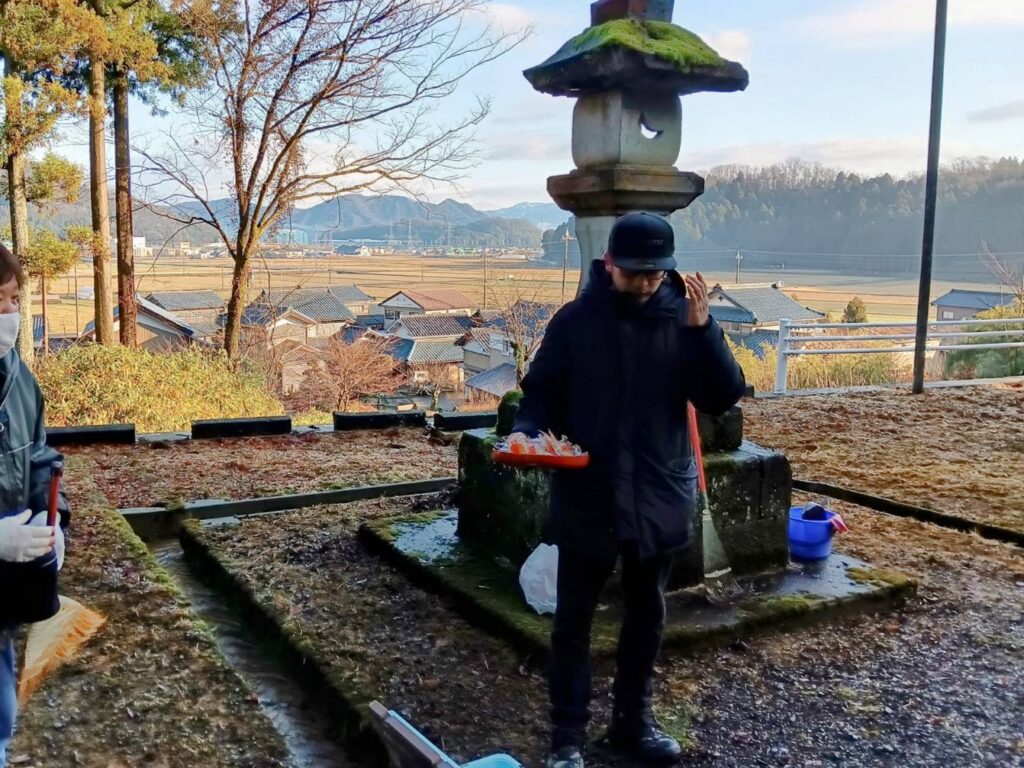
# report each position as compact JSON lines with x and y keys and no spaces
{"x":38,"y":520}
{"x":21,"y":543}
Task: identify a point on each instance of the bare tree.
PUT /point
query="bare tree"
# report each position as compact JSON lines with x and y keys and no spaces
{"x":1009,"y":277}
{"x":347,"y":372}
{"x":310,"y":99}
{"x":524,"y":319}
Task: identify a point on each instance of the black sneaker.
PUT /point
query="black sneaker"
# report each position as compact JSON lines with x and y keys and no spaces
{"x":647,"y":743}
{"x":566,"y":757}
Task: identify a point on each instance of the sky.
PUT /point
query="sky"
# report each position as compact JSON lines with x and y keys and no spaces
{"x":841,"y":82}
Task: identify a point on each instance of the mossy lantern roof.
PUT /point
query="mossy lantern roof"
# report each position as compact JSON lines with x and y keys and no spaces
{"x":636,"y":54}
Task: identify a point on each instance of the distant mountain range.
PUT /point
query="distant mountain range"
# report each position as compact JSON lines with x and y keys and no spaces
{"x":389,"y":218}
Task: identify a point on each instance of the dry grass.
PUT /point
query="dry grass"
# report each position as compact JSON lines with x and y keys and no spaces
{"x":959,"y":451}
{"x":142,"y":475}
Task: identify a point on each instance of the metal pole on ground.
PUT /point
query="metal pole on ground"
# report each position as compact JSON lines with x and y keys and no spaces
{"x":930,"y":195}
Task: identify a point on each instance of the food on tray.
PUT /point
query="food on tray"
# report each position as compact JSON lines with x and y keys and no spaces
{"x":545,"y":444}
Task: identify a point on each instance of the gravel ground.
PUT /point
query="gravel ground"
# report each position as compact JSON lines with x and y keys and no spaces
{"x":167,"y":473}
{"x":937,"y":682}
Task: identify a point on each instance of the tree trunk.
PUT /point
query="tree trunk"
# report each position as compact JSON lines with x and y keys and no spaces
{"x":42,"y":307}
{"x":100,"y":203}
{"x":19,"y":237}
{"x":126,"y":302}
{"x":236,"y":304}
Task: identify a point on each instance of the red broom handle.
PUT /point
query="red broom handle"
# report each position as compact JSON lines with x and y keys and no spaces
{"x":691,"y":414}
{"x":56,"y":473}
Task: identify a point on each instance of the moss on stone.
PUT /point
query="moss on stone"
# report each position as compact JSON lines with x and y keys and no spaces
{"x":780,"y":606}
{"x":666,"y":41}
{"x":879,"y":576}
{"x":507,"y":410}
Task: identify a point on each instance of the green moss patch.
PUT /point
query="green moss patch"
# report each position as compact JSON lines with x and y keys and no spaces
{"x":665,"y":41}
{"x":880,"y":577}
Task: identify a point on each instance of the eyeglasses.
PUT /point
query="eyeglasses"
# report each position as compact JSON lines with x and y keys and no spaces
{"x":647,"y":277}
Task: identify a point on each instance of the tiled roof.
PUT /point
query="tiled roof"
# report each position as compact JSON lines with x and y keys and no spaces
{"x":726,"y":313}
{"x":318,"y":304}
{"x":174,"y":301}
{"x":436,"y":352}
{"x":372,"y":321}
{"x":758,"y":342}
{"x":497,"y":381}
{"x":351,"y":333}
{"x":425,"y":326}
{"x":438,"y":299}
{"x":767,"y":303}
{"x":350,"y":294}
{"x":489,"y":316}
{"x":418,"y":352}
{"x":977,"y":300}
{"x":149,"y":307}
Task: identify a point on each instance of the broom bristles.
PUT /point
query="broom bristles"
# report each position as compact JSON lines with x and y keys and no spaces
{"x":54,"y":641}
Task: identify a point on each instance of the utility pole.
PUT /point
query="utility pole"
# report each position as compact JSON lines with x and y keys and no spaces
{"x":930,"y":194}
{"x":567,"y":238}
{"x":739,"y":258}
{"x":78,"y":326}
{"x":485,"y":278}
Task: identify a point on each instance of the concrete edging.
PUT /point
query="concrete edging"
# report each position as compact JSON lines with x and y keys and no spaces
{"x":160,"y":522}
{"x":460,"y":422}
{"x":206,"y":429}
{"x":352,"y":421}
{"x":118,"y":434}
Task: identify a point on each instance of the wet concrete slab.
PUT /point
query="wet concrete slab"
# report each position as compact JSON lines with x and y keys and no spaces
{"x":426,"y":547}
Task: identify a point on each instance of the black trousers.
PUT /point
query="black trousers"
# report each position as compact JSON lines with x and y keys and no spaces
{"x":580,"y":581}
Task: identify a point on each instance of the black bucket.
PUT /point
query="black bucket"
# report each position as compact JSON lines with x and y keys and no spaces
{"x":29,"y":592}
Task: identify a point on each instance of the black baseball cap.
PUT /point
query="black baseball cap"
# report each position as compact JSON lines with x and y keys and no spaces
{"x":643,"y":242}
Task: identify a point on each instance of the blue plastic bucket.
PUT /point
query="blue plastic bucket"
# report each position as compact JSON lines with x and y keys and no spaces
{"x":810,"y":539}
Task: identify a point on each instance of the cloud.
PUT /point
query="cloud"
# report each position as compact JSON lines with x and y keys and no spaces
{"x":529,"y":146}
{"x":874,"y":23}
{"x":1008,"y":111}
{"x":896,"y":155}
{"x":508,"y":17}
{"x":733,"y":44}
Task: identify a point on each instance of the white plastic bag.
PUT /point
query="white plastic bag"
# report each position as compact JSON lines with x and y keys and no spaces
{"x":539,"y":579}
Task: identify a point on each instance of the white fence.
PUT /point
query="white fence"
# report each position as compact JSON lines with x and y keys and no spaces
{"x":792,"y":337}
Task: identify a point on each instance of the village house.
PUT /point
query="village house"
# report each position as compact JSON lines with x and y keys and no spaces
{"x":200,"y":309}
{"x":960,"y":304}
{"x":752,"y":314}
{"x":158,"y":329}
{"x":437,"y":301}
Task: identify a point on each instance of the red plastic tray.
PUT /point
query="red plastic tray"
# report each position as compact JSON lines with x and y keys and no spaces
{"x":541,"y":460}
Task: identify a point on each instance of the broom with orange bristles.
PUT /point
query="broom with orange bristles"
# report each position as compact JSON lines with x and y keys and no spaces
{"x":54,"y":641}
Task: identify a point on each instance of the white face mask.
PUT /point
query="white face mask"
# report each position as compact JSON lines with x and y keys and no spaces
{"x":9,"y":326}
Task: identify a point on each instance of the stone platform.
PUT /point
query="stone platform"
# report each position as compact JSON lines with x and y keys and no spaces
{"x":486,"y":591}
{"x":502,"y":510}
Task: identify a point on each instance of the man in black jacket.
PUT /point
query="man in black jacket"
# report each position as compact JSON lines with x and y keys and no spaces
{"x":615,"y":373}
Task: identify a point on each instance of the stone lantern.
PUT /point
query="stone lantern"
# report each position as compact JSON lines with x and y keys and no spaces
{"x":627,"y":72}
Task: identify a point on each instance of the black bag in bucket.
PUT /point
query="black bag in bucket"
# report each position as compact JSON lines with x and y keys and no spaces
{"x":28,"y":591}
